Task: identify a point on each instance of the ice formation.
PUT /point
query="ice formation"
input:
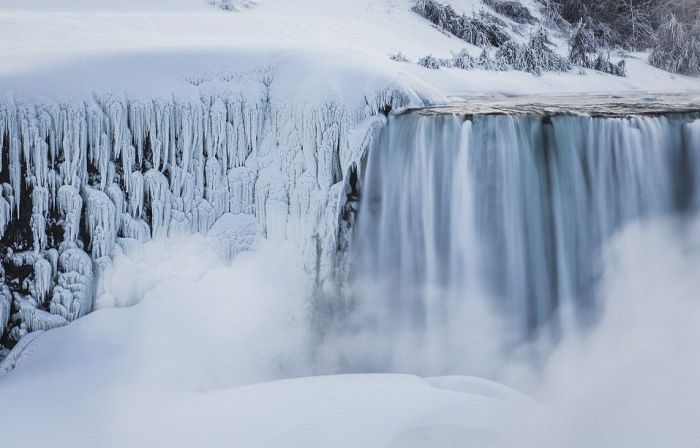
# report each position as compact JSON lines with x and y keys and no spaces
{"x":85,"y":174}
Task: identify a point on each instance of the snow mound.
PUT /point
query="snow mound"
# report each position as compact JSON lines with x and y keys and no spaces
{"x":479,"y":386}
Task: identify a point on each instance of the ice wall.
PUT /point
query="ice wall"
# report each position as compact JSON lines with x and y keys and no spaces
{"x":79,"y":176}
{"x":499,"y":211}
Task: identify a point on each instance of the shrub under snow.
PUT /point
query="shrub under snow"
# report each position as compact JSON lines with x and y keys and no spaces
{"x":583,"y":51}
{"x":602,"y":63}
{"x":513,"y":10}
{"x":479,"y":31}
{"x":232,"y":5}
{"x":434,"y":63}
{"x":464,"y":60}
{"x":399,"y":57}
{"x":581,"y":44}
{"x":535,"y":57}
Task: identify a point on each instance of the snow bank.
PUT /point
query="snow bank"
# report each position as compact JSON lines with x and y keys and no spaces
{"x":193,"y":354}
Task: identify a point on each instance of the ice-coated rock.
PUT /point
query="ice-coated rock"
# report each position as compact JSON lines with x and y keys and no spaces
{"x":114,"y":167}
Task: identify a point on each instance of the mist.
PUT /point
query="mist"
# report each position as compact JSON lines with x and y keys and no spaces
{"x":634,"y":379}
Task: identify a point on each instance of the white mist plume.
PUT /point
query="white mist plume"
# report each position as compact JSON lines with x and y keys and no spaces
{"x":634,"y":380}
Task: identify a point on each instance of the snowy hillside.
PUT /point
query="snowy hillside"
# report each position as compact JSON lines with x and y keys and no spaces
{"x":331,"y":48}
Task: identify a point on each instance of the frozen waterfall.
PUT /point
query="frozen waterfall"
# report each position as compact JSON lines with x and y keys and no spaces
{"x":459,"y":217}
{"x":413,"y":229}
{"x":85,"y":180}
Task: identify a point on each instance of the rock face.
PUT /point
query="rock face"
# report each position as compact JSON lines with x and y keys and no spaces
{"x":76,"y":177}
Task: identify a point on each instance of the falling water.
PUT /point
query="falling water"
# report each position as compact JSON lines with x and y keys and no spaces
{"x":499,"y":214}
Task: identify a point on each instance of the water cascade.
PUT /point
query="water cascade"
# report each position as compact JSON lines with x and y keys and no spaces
{"x":460,"y":217}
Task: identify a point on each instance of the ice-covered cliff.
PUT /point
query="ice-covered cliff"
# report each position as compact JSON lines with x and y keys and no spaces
{"x":83,"y":180}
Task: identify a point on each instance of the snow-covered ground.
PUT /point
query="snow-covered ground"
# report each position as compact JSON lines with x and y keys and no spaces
{"x":319,"y":49}
{"x":194,"y":364}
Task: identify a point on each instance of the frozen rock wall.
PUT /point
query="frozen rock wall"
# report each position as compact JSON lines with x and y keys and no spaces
{"x":78,"y":176}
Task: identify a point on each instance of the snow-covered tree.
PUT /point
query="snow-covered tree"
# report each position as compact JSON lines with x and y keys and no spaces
{"x":434,"y":63}
{"x":581,"y":44}
{"x":513,"y":10}
{"x":675,"y":49}
{"x":477,"y":30}
{"x":398,"y":57}
{"x":464,"y":60}
{"x":535,"y":57}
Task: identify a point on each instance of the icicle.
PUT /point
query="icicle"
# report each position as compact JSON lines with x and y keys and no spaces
{"x":216,"y":187}
{"x":7,"y":193}
{"x":40,"y":162}
{"x":104,"y":161}
{"x":40,"y":200}
{"x":5,"y":215}
{"x":73,"y":293}
{"x":5,"y":300}
{"x":159,"y":197}
{"x":101,"y":221}
{"x":327,"y":156}
{"x":43,"y":279}
{"x":241,"y":187}
{"x":156,"y":148}
{"x":180,"y":224}
{"x":38,"y":225}
{"x":216,"y":131}
{"x":116,"y":195}
{"x":204,"y":216}
{"x":70,"y":205}
{"x":134,"y":228}
{"x":52,"y":256}
{"x":271,"y":204}
{"x":100,"y":266}
{"x":136,"y":192}
{"x":15,"y":165}
{"x":4,"y":122}
{"x":128,"y":165}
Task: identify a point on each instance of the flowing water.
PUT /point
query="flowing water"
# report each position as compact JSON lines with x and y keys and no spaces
{"x":464,"y":219}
